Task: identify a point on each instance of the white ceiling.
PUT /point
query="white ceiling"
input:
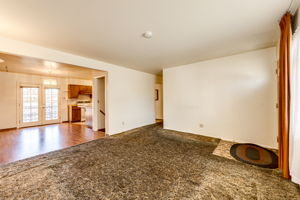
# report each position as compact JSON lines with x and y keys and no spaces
{"x":184,"y":31}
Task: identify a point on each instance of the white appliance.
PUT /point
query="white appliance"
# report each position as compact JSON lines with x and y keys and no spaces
{"x":83,"y":114}
{"x":83,"y":104}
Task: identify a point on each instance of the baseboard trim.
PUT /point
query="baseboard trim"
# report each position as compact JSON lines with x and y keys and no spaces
{"x":225,"y":139}
{"x":8,"y":129}
{"x":131,"y":130}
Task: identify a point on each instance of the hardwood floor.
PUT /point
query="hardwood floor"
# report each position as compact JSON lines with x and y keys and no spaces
{"x":17,"y":144}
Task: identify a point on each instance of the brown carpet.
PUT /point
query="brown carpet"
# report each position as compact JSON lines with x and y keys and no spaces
{"x":149,"y":163}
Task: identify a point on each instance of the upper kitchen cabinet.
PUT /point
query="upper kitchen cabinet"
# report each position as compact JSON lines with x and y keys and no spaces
{"x":83,"y":89}
{"x":75,"y":90}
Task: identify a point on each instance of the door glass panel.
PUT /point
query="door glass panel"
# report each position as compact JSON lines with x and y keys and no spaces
{"x":30,"y":104}
{"x":51,"y":103}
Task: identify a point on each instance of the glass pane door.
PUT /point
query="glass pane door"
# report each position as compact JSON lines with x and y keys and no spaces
{"x":30,"y":106}
{"x":51,"y":104}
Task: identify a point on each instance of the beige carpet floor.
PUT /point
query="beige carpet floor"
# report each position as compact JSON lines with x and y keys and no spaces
{"x":148,"y":163}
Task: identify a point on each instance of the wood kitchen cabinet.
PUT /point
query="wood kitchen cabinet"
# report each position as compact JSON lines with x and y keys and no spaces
{"x":74,"y":113}
{"x":75,"y":90}
{"x":83,"y":89}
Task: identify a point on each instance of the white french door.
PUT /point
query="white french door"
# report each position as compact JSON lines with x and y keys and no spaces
{"x":39,"y":105}
{"x":51,"y":111}
{"x":30,"y":114}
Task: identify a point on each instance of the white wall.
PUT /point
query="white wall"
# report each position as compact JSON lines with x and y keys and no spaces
{"x":233,"y":97}
{"x":8,"y":100}
{"x":130,"y":93}
{"x":131,"y":104}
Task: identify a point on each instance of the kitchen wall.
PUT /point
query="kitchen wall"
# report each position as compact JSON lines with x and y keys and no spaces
{"x":130,"y":93}
{"x":9,"y":92}
{"x":8,"y":100}
{"x":232,"y":98}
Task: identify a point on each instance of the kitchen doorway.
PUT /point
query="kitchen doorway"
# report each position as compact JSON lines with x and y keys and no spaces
{"x":43,"y":106}
{"x":99,"y":119}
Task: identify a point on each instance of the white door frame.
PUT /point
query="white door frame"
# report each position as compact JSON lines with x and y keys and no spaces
{"x":95,"y":104}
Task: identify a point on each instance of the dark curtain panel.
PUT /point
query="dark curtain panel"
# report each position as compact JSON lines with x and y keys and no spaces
{"x":284,"y":94}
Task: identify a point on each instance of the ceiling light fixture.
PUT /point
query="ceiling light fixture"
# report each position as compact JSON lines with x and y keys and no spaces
{"x":147,"y":34}
{"x":50,"y":64}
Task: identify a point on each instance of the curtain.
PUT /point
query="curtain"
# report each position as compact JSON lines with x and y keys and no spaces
{"x":284,"y":95}
{"x":295,"y":109}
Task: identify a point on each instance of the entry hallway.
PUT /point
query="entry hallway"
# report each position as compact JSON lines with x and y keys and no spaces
{"x":146,"y":163}
{"x":17,"y":144}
